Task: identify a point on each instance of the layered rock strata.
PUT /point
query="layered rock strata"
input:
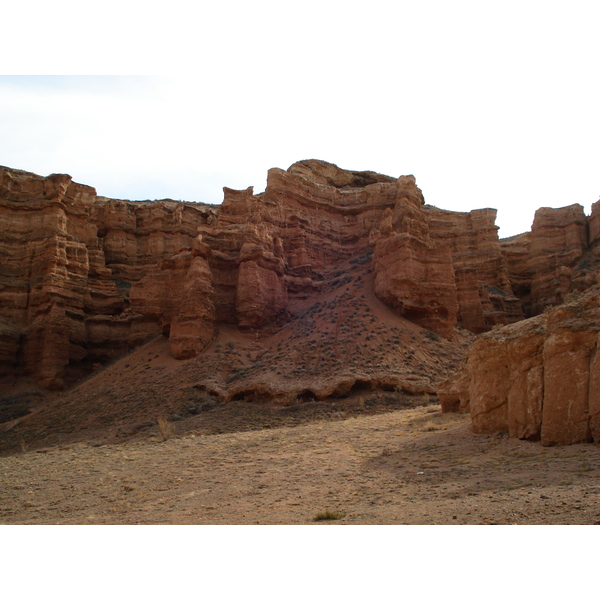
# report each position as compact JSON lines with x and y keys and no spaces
{"x":69,"y":260}
{"x":85,"y":279}
{"x":538,"y":379}
{"x":484,"y":292}
{"x":558,"y":257}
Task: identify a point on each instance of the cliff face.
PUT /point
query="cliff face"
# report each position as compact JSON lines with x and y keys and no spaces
{"x":435,"y":268}
{"x":559,"y":256}
{"x":69,"y":260}
{"x":538,"y":379}
{"x":483,"y":288}
{"x":85,"y":279}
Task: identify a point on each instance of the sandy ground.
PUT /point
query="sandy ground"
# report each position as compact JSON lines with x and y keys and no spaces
{"x":414,"y":466}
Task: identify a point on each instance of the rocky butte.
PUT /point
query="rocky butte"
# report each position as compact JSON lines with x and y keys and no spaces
{"x":348,"y":278}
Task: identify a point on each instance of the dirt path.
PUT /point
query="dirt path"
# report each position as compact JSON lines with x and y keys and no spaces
{"x":415,"y":466}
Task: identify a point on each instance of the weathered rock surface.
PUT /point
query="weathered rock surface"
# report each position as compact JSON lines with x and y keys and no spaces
{"x":85,"y":279}
{"x":558,"y":257}
{"x":69,"y":260}
{"x":538,"y":379}
{"x":483,"y":288}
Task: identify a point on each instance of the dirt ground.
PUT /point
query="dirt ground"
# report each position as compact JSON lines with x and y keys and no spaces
{"x":411,"y":466}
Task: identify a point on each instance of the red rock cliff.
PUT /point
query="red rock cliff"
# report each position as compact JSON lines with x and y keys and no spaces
{"x":69,"y":259}
{"x":538,"y":379}
{"x":84,"y":279}
{"x":558,"y":257}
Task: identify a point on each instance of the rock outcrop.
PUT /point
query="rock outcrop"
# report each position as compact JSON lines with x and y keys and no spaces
{"x":413,"y":274}
{"x":86,"y":279}
{"x":558,"y":257}
{"x":484,"y":292}
{"x":538,"y":379}
{"x":69,"y":261}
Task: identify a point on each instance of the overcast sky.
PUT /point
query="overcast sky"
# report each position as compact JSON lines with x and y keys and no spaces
{"x":487,"y":104}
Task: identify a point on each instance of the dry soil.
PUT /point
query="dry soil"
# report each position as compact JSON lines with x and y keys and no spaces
{"x":411,"y":466}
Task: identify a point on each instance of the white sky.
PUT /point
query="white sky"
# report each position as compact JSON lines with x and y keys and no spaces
{"x":488,"y":104}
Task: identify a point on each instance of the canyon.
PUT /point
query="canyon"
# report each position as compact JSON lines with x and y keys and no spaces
{"x":331,"y":284}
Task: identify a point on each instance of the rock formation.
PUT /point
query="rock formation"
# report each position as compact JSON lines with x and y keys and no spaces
{"x":69,"y":260}
{"x":85,"y":279}
{"x":538,"y":379}
{"x":560,"y":255}
{"x":413,"y":274}
{"x":483,"y":288}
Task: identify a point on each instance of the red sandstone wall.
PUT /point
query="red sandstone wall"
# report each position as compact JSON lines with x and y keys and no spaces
{"x":84,"y":279}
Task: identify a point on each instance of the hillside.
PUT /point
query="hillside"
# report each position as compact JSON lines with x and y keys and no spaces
{"x":332,"y":291}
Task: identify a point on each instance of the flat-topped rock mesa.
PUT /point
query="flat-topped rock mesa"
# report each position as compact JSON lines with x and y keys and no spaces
{"x":85,"y":279}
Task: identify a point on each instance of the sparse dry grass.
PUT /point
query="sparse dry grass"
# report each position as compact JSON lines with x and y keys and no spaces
{"x":329,"y":516}
{"x":166,"y":428}
{"x":431,"y":426}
